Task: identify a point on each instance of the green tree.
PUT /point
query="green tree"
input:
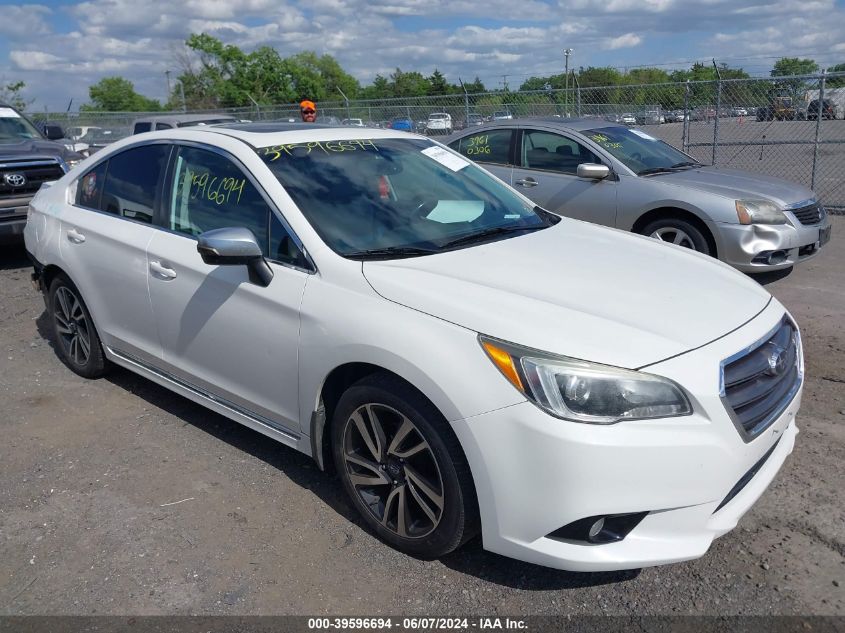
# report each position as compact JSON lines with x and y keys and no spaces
{"x":117,"y":94}
{"x":12,"y":94}
{"x":793,"y":66}
{"x":438,"y":84}
{"x":836,"y":82}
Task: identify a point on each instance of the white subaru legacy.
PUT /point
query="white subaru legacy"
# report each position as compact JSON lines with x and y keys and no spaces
{"x":465,"y":361}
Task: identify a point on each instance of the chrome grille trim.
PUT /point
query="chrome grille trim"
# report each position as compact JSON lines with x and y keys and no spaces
{"x":753,"y":393}
{"x":809,"y":215}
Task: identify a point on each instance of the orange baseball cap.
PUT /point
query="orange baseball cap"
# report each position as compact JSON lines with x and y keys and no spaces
{"x":307,"y":104}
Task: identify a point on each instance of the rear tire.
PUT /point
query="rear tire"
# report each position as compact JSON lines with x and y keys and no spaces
{"x":403,"y":468}
{"x":680,"y":232}
{"x":77,"y":342}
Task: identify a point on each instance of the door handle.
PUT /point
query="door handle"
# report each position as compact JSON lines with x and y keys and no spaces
{"x":162,"y":271}
{"x":527,"y":182}
{"x":75,"y":236}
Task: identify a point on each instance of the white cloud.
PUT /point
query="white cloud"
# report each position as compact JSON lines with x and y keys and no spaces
{"x":140,"y":39}
{"x":624,"y":41}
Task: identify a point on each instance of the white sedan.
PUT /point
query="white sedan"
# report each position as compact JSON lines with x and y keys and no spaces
{"x":465,"y":361}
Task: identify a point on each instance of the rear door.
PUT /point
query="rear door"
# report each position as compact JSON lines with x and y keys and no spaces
{"x":220,"y":332}
{"x":546,"y":172}
{"x":491,"y":148}
{"x":104,"y":239}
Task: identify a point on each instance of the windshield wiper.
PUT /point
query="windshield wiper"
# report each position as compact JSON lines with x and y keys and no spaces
{"x":666,"y":170}
{"x":482,"y":236}
{"x":391,"y":252}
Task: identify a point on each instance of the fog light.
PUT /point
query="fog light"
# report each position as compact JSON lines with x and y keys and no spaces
{"x":777,"y":257}
{"x":595,"y":528}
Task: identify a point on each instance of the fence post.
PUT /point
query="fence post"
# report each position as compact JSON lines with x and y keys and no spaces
{"x":466,"y":102}
{"x":718,"y":110}
{"x":819,"y":116}
{"x":346,"y":100}
{"x":685,"y":131}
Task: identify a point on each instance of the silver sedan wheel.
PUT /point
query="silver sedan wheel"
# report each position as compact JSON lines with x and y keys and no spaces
{"x":72,"y":326}
{"x":674,"y":236}
{"x":393,"y":470}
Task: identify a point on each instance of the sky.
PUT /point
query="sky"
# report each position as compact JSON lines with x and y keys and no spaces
{"x":60,"y":48}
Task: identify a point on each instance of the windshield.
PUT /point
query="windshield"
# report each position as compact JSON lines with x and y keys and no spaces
{"x":396,"y":197}
{"x":438,"y":116}
{"x":14,"y":128}
{"x":641,"y":153}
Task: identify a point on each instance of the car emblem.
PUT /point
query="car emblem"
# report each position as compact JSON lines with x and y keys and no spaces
{"x":777,"y":361}
{"x":15,"y":180}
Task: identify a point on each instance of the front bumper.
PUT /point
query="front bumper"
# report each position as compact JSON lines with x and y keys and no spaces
{"x":535,"y":474}
{"x":741,"y":246}
{"x":11,"y":228}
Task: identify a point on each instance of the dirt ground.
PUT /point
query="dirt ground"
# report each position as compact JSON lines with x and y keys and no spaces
{"x":119,"y":497}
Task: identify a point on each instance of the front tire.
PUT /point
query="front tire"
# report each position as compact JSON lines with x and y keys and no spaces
{"x":77,"y":342}
{"x":403,"y":467}
{"x":680,"y":232}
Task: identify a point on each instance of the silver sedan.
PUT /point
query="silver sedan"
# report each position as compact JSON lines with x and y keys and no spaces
{"x":616,"y":176}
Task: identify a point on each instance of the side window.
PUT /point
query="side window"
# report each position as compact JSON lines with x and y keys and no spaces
{"x":489,"y":147}
{"x":89,"y":191}
{"x":142,"y":127}
{"x":164,"y":126}
{"x":553,"y":152}
{"x":132,"y":181}
{"x":210,"y":192}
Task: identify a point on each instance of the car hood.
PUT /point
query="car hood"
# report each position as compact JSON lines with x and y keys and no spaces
{"x":736,"y":184}
{"x":578,"y":290}
{"x":33,"y":147}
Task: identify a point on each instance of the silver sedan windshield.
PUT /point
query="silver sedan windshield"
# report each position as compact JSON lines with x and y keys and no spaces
{"x":638,"y":151}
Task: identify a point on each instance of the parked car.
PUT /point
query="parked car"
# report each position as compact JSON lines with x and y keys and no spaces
{"x":828,"y":109}
{"x":675,"y":116}
{"x":650,"y":117}
{"x":97,"y":137}
{"x":474,"y":119}
{"x":353,"y":122}
{"x":385,"y":305}
{"x":439,"y":123}
{"x":611,"y":175}
{"x":28,"y":159}
{"x":628,"y":119}
{"x":502,"y":115}
{"x":404,"y":124}
{"x":738,"y":111}
{"x":170,"y":121}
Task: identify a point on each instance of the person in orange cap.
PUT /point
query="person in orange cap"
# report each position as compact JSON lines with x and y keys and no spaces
{"x":308,"y":111}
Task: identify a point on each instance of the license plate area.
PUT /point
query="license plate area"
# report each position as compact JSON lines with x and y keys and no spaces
{"x":824,"y":235}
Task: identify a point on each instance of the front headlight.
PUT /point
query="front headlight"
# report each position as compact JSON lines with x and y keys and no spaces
{"x":580,"y":391}
{"x":759,"y":212}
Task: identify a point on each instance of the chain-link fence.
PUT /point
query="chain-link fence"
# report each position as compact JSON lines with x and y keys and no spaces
{"x":787,"y":127}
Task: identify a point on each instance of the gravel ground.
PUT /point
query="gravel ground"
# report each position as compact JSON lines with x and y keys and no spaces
{"x":119,"y":497}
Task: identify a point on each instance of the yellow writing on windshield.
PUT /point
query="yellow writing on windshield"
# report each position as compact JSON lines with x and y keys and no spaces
{"x":275,"y":152}
{"x":604,"y":141}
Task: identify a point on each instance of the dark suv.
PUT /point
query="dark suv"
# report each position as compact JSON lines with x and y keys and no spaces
{"x":828,"y":109}
{"x":28,"y":158}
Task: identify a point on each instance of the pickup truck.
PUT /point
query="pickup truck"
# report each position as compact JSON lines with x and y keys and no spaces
{"x":28,"y":158}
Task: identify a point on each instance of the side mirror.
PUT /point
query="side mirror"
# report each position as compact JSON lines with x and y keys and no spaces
{"x":54,"y":132}
{"x":593,"y":171}
{"x":235,"y":246}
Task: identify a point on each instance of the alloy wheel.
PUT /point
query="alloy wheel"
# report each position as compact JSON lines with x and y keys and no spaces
{"x":674,"y":235}
{"x":393,"y":470}
{"x":72,"y":326}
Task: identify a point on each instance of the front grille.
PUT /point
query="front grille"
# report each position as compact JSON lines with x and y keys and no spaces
{"x":36,"y":173}
{"x":809,"y":215}
{"x":758,"y":385}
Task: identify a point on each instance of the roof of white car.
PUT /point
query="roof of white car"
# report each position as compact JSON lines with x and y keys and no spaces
{"x":267,"y":134}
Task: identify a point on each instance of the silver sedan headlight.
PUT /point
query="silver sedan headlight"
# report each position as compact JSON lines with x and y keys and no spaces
{"x":759,"y":212}
{"x":581,"y":391}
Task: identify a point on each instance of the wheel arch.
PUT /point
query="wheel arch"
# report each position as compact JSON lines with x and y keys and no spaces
{"x":675,"y":212}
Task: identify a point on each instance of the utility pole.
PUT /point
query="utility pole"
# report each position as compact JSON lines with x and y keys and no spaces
{"x":566,"y":53}
{"x":167,"y":74}
{"x":505,"y":82}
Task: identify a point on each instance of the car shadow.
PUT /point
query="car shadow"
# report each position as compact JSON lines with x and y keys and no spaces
{"x":772,"y":276}
{"x":13,"y":257}
{"x":471,"y":559}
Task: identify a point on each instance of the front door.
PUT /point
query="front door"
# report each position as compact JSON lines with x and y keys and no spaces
{"x":220,"y":332}
{"x":491,"y":149}
{"x":546,"y":172}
